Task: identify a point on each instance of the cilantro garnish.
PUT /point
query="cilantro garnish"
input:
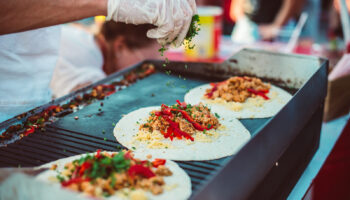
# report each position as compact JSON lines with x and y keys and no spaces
{"x":217,"y":116}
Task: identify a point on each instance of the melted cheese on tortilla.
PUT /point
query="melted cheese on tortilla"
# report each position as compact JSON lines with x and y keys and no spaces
{"x":152,"y":139}
{"x":155,"y":140}
{"x":251,"y":103}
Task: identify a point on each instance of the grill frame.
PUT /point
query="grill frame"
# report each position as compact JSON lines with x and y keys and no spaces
{"x":210,"y":179}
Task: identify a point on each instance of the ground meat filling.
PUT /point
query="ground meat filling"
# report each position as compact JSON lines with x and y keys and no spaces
{"x":104,"y":174}
{"x":198,"y":116}
{"x":238,"y":89}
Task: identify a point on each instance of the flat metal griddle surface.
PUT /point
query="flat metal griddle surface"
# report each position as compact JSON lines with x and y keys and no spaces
{"x":94,"y":128}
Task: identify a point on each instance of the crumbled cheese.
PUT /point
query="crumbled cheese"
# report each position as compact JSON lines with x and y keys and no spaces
{"x":235,"y":106}
{"x":138,"y":195}
{"x":170,"y":187}
{"x":152,"y":139}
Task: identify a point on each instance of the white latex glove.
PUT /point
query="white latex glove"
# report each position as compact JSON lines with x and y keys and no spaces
{"x":172,"y":17}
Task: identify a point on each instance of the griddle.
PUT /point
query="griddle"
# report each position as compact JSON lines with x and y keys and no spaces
{"x":267,"y":167}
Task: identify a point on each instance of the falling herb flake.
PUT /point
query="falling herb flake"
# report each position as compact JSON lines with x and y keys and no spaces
{"x":170,"y":84}
{"x":183,"y":86}
{"x":186,"y":67}
{"x":168,"y":72}
{"x":105,"y":139}
{"x":217,"y":116}
{"x":113,"y":124}
{"x":133,"y":148}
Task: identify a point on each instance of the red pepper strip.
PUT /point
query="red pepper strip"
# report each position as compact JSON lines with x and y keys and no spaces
{"x":128,"y":156}
{"x":140,"y":170}
{"x":98,"y":153}
{"x":30,"y":130}
{"x":149,"y":71}
{"x":215,"y":87}
{"x":158,"y":162}
{"x":182,"y":104}
{"x":83,"y":167}
{"x":195,"y":124}
{"x":177,"y":130}
{"x":260,"y":93}
{"x":74,"y":180}
{"x":109,"y":87}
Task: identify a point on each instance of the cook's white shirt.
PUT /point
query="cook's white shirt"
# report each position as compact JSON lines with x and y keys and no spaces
{"x":80,"y":61}
{"x":27,"y":61}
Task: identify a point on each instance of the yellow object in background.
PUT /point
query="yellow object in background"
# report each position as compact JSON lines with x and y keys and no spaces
{"x":208,"y":39}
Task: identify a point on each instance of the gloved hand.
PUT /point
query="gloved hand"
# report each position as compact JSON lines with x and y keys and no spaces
{"x":172,"y":17}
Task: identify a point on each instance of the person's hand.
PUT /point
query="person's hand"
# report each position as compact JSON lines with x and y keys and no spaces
{"x":269,"y":31}
{"x":172,"y":17}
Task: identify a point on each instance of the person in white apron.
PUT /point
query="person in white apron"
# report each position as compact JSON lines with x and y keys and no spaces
{"x":27,"y":59}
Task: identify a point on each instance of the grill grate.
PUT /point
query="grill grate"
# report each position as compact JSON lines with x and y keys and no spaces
{"x":56,"y":143}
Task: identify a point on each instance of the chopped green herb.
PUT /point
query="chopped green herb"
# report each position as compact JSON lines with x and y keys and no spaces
{"x":133,"y":148}
{"x":168,"y":72}
{"x":103,"y":131}
{"x":217,"y":116}
{"x":113,"y":124}
{"x":183,"y":86}
{"x":204,"y":131}
{"x":192,"y":31}
{"x":60,"y":178}
{"x":105,"y":139}
{"x":209,"y":126}
{"x":186,"y":67}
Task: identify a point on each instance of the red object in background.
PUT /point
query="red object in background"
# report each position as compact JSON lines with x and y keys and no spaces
{"x":333,"y":180}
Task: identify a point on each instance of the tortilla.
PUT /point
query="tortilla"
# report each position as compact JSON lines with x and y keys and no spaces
{"x":256,"y":107}
{"x":225,"y":141}
{"x":178,"y":185}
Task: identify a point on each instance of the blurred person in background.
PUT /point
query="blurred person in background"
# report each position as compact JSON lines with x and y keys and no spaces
{"x":85,"y":58}
{"x":261,"y":19}
{"x":28,"y":57}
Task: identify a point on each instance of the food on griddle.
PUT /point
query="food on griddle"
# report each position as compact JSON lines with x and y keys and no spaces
{"x":54,"y":112}
{"x":238,"y":89}
{"x":180,"y":121}
{"x":177,"y":131}
{"x":246,"y":97}
{"x":120,"y":175}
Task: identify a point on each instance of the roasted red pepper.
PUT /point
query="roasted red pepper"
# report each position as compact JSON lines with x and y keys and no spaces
{"x":194,"y":123}
{"x":74,"y":180}
{"x":158,"y":162}
{"x":213,"y":89}
{"x":261,"y":93}
{"x":140,"y":170}
{"x":177,"y":131}
{"x":98,"y":153}
{"x":182,"y":105}
{"x":30,"y":130}
{"x":83,"y":167}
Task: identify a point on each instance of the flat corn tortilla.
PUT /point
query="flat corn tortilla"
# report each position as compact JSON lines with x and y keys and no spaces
{"x":213,"y":144}
{"x":256,"y":107}
{"x":178,"y":185}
